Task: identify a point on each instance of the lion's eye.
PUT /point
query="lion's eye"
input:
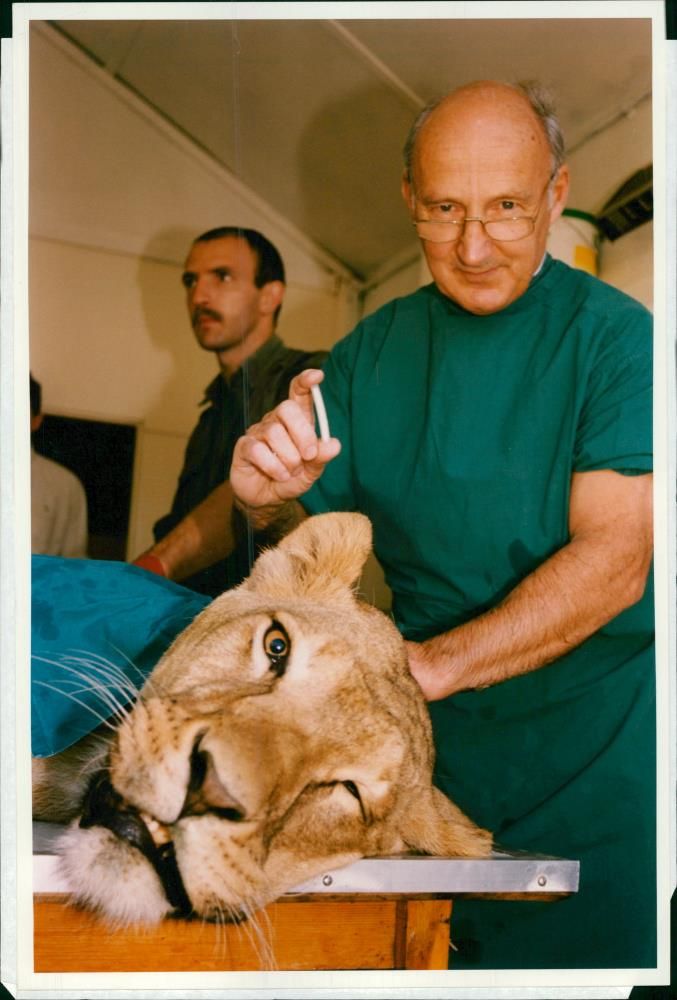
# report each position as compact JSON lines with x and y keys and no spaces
{"x":351,"y":787}
{"x":277,"y":646}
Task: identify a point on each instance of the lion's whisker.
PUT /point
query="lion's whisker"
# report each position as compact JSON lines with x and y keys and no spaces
{"x":107,"y":702}
{"x":259,"y":940}
{"x":104,"y":720}
{"x":222,"y":936}
{"x":147,"y":680}
{"x":107,"y":669}
{"x":106,"y":662}
{"x":261,"y":916}
{"x":105,"y":694}
{"x":96,"y":762}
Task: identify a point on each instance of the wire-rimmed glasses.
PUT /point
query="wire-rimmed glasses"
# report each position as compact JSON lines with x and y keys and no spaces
{"x":501,"y":228}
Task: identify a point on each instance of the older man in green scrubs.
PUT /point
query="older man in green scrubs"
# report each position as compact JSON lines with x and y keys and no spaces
{"x":496,"y":428}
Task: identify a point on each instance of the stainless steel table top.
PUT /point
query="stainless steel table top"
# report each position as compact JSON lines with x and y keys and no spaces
{"x":413,"y":875}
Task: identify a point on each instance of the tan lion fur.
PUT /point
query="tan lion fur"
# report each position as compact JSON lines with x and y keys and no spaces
{"x":280,"y":748}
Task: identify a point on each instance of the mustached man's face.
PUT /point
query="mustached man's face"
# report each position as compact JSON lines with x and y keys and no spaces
{"x":481,"y":153}
{"x":224,"y":304}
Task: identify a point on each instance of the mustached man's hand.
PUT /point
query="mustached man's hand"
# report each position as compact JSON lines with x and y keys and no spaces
{"x":279,"y":458}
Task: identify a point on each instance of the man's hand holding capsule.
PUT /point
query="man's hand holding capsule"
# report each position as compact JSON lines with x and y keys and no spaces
{"x":279,"y":458}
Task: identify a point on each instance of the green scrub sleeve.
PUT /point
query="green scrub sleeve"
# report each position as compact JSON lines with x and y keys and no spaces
{"x":615,"y":426}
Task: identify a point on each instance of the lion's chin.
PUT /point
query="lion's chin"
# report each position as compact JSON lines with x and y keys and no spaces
{"x":111,"y":877}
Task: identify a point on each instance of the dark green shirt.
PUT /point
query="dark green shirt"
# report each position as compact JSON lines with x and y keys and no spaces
{"x":229,"y":408}
{"x":459,"y":436}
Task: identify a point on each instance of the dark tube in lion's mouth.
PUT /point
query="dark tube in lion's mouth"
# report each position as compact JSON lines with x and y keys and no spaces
{"x":105,"y":807}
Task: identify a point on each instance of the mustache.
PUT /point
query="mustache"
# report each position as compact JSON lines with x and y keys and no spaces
{"x":201,"y":311}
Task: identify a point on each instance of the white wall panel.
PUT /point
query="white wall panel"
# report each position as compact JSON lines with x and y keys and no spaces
{"x":627,"y":263}
{"x":159,"y":457}
{"x":598,"y":169}
{"x":110,"y":338}
{"x":403,"y":281}
{"x":600,"y":165}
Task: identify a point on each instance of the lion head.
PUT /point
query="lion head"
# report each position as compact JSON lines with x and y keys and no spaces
{"x":279,"y":736}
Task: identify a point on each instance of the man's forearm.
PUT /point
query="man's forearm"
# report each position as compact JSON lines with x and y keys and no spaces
{"x":202,"y":538}
{"x":601,"y":571}
{"x":554,"y":609}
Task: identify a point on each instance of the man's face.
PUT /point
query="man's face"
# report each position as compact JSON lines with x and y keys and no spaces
{"x":224,"y":303}
{"x":478,"y":154}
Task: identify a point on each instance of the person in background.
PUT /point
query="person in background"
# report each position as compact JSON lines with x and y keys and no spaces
{"x":496,"y":426}
{"x":235,"y":284}
{"x":58,"y":499}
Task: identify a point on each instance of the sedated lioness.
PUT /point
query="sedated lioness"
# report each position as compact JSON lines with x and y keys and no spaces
{"x":280,"y":735}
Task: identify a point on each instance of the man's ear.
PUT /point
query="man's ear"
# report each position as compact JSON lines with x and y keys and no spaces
{"x":407,"y":189}
{"x":271,"y":297}
{"x":560,"y":193}
{"x":36,"y":421}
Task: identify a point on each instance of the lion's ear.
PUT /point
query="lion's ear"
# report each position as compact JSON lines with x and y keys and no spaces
{"x":322,"y":557}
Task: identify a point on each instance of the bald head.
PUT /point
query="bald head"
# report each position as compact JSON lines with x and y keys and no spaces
{"x":486,"y":152}
{"x":489,"y":99}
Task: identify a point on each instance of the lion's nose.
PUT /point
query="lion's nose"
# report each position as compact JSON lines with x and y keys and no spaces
{"x":206,"y":792}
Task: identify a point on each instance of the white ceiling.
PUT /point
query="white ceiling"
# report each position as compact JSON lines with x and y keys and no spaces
{"x":312,"y":114}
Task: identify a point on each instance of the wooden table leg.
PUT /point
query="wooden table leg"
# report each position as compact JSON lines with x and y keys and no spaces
{"x":422,"y":933}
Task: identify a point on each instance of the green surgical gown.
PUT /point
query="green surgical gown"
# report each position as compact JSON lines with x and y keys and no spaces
{"x":97,"y":630}
{"x":459,"y":436}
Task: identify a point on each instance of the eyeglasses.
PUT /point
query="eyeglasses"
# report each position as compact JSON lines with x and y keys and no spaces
{"x":501,"y":228}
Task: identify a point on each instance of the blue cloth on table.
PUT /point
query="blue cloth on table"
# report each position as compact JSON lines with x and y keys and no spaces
{"x":97,"y":630}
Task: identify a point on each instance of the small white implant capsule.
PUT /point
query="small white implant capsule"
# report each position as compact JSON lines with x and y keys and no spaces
{"x":320,"y":412}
